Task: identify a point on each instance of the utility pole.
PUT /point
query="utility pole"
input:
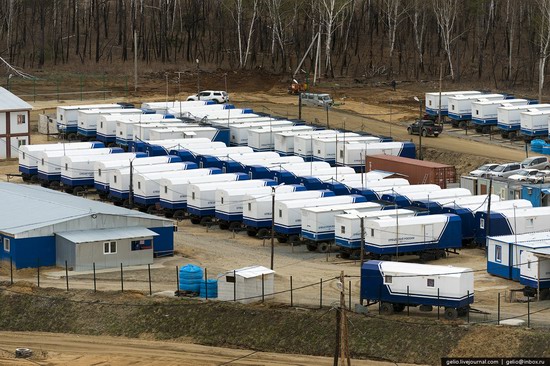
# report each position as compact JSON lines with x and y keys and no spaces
{"x":135,"y":62}
{"x":198,"y":80}
{"x":362,"y":241}
{"x":131,"y":190}
{"x":272,"y":225}
{"x":343,"y":326}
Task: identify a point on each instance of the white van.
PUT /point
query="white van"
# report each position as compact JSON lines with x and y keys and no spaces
{"x":321,"y":100}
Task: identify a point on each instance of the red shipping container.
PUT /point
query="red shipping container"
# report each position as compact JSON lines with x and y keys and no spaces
{"x":416,"y":171}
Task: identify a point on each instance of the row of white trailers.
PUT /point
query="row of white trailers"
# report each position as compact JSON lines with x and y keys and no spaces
{"x":512,"y":116}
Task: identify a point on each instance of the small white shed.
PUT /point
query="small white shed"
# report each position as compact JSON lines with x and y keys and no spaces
{"x":245,"y":285}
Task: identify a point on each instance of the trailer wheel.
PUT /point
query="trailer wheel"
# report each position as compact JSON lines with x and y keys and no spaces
{"x":462,"y":125}
{"x":223,"y":225}
{"x":409,"y":130}
{"x":544,"y":294}
{"x":251,"y":233}
{"x":34,"y":179}
{"x":294,"y":239}
{"x":345,"y":255}
{"x":26,"y":178}
{"x":55,"y":185}
{"x":385,"y":257}
{"x":451,"y":313}
{"x":179,"y":215}
{"x":206,"y":221}
{"x":235,"y":226}
{"x":398,"y":308}
{"x":311,"y":247}
{"x":195,"y":220}
{"x":425,"y":133}
{"x":263,"y":233}
{"x":282,"y":239}
{"x":323,"y":247}
{"x":151,"y":210}
{"x":386,"y":308}
{"x":425,"y":257}
{"x":68,"y":190}
{"x":168,"y":214}
{"x":72,"y":137}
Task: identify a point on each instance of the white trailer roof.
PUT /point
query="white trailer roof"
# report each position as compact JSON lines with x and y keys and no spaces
{"x":422,"y":269}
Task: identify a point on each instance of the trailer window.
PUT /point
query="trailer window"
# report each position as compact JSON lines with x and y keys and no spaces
{"x":371,"y":232}
{"x":23,"y":156}
{"x":387,"y":279}
{"x":109,"y":247}
{"x":230,"y":279}
{"x":6,"y":245}
{"x":498,"y":253}
{"x":341,"y":154}
{"x":192,"y":195}
{"x":166,"y":189}
{"x":249,"y":206}
{"x":139,"y":185}
{"x":430,"y":282}
{"x":66,"y":166}
{"x":529,"y":264}
{"x":342,"y":229}
{"x":280,"y":213}
{"x":114,"y":178}
{"x":482,"y":223}
{"x":99,"y":172}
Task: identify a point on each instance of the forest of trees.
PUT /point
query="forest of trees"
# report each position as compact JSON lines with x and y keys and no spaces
{"x":502,"y":41}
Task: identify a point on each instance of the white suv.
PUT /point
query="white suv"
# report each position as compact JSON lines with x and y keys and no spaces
{"x":216,"y":96}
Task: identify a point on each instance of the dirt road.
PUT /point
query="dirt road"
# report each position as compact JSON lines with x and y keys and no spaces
{"x":79,"y":350}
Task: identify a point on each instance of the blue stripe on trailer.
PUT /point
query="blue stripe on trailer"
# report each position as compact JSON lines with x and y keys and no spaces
{"x":73,"y":182}
{"x":51,"y":177}
{"x":532,"y":282}
{"x":146,"y":200}
{"x":25,"y":169}
{"x":121,"y":194}
{"x":105,"y":138}
{"x":509,"y":127}
{"x":499,"y":270}
{"x":288,"y":230}
{"x":173,"y":205}
{"x":228,"y":216}
{"x":346,"y":243}
{"x":435,"y":112}
{"x":460,"y":117}
{"x":485,"y":121}
{"x":101,"y":187}
{"x":537,"y":132}
{"x":256,"y":223}
{"x":194,"y":210}
{"x":318,"y":236}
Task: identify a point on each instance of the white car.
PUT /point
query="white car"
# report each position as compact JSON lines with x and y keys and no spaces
{"x":216,"y":96}
{"x":524,"y":175}
{"x":543,"y":176}
{"x":482,"y":170}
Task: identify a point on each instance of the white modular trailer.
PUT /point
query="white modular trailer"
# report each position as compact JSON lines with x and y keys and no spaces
{"x":49,"y":161}
{"x":371,"y":190}
{"x":231,"y":166}
{"x":28,"y":160}
{"x":182,"y":133}
{"x":226,"y":114}
{"x":460,"y":106}
{"x":303,"y":144}
{"x":87,"y":119}
{"x":125,"y":128}
{"x":197,"y":110}
{"x":263,"y":138}
{"x":509,"y":117}
{"x":511,"y":221}
{"x":347,"y":226}
{"x":353,"y":153}
{"x":106,"y":124}
{"x":485,"y":112}
{"x":230,"y":201}
{"x":67,"y":115}
{"x":288,"y":214}
{"x":325,"y":147}
{"x":164,"y":147}
{"x":243,"y":118}
{"x":275,"y":171}
{"x":427,"y":235}
{"x":318,"y":222}
{"x":504,"y":252}
{"x":119,"y":183}
{"x":143,"y":132}
{"x":247,"y":285}
{"x":422,"y":199}
{"x":78,"y":171}
{"x":104,"y":169}
{"x":257,"y":209}
{"x":162,"y":107}
{"x":201,"y":197}
{"x":534,"y":122}
{"x":435,"y":203}
{"x":392,"y":193}
{"x":239,"y":132}
{"x":535,"y":272}
{"x":432,"y":100}
{"x":174,"y":189}
{"x":397,"y":285}
{"x":284,"y":141}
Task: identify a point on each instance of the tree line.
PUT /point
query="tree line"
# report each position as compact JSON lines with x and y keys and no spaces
{"x":498,"y":41}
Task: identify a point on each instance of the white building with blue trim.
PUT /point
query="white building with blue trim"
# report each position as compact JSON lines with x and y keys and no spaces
{"x":39,"y":226}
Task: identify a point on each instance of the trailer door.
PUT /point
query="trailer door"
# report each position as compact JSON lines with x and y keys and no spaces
{"x":428,"y":232}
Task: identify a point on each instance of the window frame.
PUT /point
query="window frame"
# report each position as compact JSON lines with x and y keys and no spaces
{"x":498,"y":253}
{"x":7,"y":245}
{"x":108,"y":247}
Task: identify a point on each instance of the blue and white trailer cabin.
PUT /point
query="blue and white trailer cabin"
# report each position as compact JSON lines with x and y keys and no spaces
{"x":432,"y":101}
{"x":375,"y":190}
{"x":397,"y":285}
{"x":170,"y":147}
{"x":162,"y":107}
{"x":257,"y":212}
{"x":288,"y":214}
{"x":235,"y":162}
{"x":284,"y":141}
{"x":173,"y":189}
{"x":243,"y":118}
{"x":78,"y":171}
{"x":207,"y":154}
{"x":485,"y":112}
{"x":201,"y":197}
{"x":348,"y":186}
{"x":509,"y":118}
{"x":119,"y":182}
{"x":511,"y":221}
{"x":303,"y":144}
{"x":143,"y":131}
{"x":230,"y":166}
{"x":87,"y":119}
{"x":215,"y":117}
{"x":394,"y":194}
{"x":30,"y":240}
{"x":185,"y":132}
{"x":28,"y":160}
{"x":426,"y":200}
{"x":504,"y":252}
{"x":125,"y":128}
{"x":534,"y":122}
{"x":320,"y":180}
{"x":271,"y":171}
{"x":103,"y":169}
{"x":318,"y":223}
{"x":263,"y":138}
{"x":67,"y":116}
{"x":427,"y":236}
{"x":196,"y":110}
{"x":239,"y":132}
{"x":437,"y":205}
{"x":353,"y":154}
{"x":230,"y":201}
{"x":348,"y":227}
{"x":325,"y":147}
{"x":295,"y":175}
{"x":106,"y":124}
{"x":460,"y":106}
{"x":49,"y":162}
{"x":535,"y":272}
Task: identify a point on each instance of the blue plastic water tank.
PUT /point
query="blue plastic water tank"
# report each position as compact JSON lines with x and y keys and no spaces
{"x":212,"y":286}
{"x":536,"y":145}
{"x":546,"y":149}
{"x":190,"y":278}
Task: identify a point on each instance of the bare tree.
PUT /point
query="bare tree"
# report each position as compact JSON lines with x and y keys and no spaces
{"x":418,"y":19}
{"x":543,"y":40}
{"x":445,"y":13}
{"x":330,"y":14}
